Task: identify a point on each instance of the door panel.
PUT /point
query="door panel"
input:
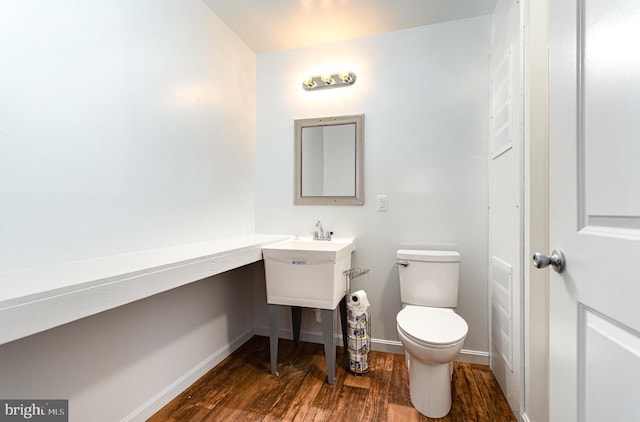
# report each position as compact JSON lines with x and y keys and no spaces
{"x":594,"y":137}
{"x":611,"y":62}
{"x":611,"y":360}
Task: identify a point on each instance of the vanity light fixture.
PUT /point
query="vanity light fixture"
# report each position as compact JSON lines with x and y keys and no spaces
{"x":332,"y":80}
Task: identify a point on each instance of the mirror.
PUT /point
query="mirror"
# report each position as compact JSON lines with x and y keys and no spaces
{"x":328,"y":160}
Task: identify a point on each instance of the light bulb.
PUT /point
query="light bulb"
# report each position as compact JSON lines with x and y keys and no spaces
{"x":326,"y":78}
{"x":309,"y":82}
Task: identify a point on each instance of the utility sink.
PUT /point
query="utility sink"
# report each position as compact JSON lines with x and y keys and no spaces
{"x":306,"y":272}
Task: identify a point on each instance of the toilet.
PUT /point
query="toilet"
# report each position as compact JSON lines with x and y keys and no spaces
{"x":430,"y":331}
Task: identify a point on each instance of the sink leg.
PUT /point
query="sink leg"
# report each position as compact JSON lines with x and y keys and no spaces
{"x":296,"y":319}
{"x":328,"y":320}
{"x":274,"y":319}
{"x":343,"y":322}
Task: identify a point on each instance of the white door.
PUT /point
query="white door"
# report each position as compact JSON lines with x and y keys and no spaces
{"x":594,"y":159}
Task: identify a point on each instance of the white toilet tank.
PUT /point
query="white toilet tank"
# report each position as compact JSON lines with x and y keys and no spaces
{"x":429,"y":278}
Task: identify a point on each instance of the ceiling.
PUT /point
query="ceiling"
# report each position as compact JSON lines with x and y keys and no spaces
{"x":270,"y":25}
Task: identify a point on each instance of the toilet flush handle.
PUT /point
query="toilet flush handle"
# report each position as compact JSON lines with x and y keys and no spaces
{"x":403,"y":263}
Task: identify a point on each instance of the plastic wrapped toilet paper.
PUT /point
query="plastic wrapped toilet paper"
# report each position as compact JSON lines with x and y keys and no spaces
{"x":359,"y":299}
{"x":358,"y":332}
{"x":352,"y":323}
{"x":358,"y":316}
{"x":358,"y":345}
{"x":358,"y":362}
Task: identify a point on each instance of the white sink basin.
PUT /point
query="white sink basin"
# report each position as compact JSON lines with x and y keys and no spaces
{"x":306,"y":272}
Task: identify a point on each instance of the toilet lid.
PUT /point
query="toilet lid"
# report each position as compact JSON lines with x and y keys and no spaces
{"x":432,"y":325}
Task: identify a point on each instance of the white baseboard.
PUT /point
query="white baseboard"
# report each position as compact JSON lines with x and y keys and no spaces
{"x":317,"y":337}
{"x":388,"y":346}
{"x":307,"y":336}
{"x":377,"y":344}
{"x":155,"y":403}
{"x":473,"y":356}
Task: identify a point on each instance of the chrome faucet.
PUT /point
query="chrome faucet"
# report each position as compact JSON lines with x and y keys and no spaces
{"x":320,"y":233}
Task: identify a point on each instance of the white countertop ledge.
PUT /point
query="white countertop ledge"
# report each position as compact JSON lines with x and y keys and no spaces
{"x":37,"y":299}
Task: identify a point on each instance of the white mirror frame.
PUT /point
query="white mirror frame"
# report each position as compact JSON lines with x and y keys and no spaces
{"x":358,"y":198}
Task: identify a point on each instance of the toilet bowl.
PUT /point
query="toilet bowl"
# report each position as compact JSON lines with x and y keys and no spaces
{"x":430,"y":331}
{"x":432,"y":339}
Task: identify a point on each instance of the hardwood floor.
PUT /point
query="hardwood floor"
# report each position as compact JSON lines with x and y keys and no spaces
{"x":241,"y":388}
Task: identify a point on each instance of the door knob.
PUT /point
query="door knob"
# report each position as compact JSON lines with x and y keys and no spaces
{"x":556,"y":260}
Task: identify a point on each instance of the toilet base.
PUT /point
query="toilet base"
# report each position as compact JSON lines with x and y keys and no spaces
{"x":430,"y":387}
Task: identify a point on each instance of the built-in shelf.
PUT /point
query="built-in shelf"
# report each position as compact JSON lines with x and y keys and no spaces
{"x":41,"y":298}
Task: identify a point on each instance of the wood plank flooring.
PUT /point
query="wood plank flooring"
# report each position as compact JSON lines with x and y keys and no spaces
{"x":241,"y":388}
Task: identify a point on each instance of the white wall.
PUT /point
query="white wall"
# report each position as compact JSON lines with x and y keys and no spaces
{"x":424,"y":94}
{"x":126,"y":363}
{"x":124,"y":126}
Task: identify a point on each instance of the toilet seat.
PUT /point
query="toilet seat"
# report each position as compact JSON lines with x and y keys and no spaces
{"x":432,"y":327}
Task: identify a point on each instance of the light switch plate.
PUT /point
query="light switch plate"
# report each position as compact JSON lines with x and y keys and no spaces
{"x":382,"y":203}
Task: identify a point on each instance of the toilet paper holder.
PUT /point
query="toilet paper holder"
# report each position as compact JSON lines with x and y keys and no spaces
{"x":351,"y":274}
{"x":359,"y":329}
{"x":355,"y":272}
